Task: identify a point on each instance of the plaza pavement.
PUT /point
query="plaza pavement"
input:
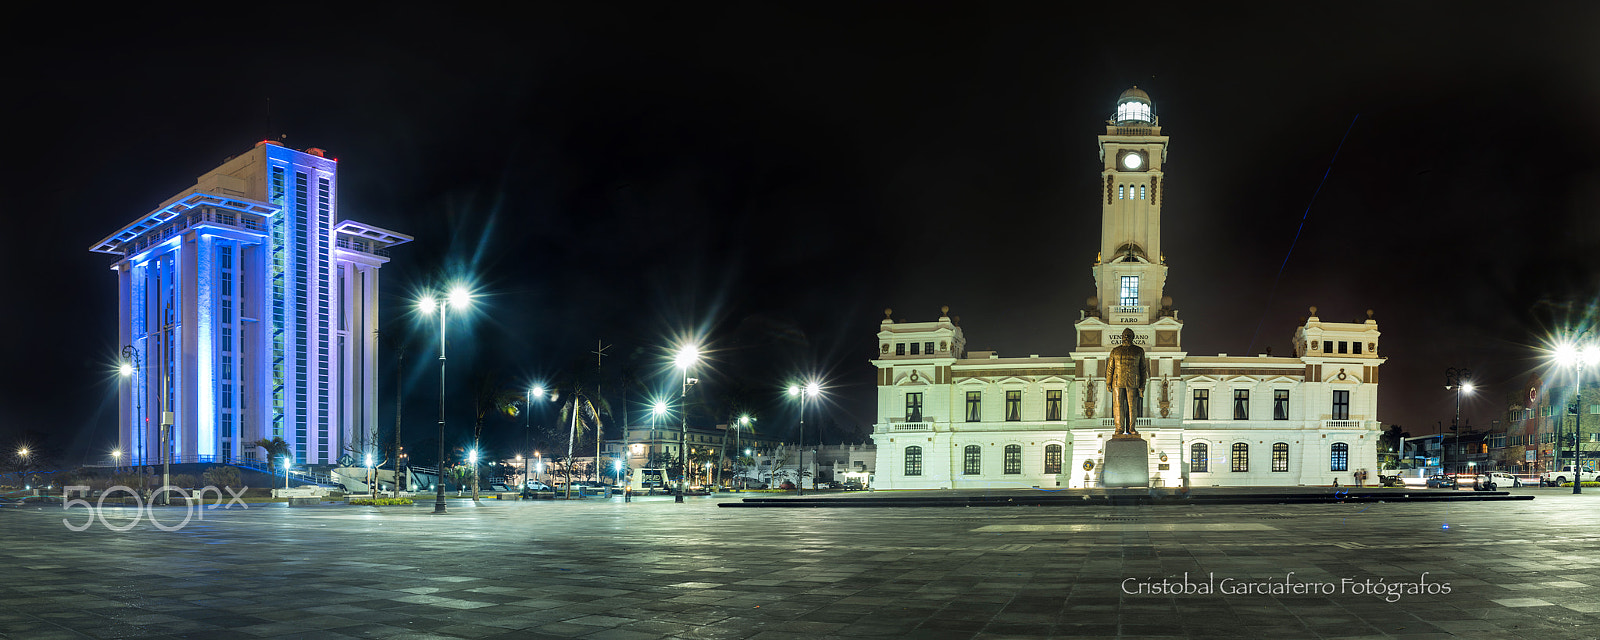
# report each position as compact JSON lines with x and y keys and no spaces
{"x":654,"y":569}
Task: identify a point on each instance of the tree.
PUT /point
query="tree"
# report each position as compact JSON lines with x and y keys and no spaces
{"x":580,"y":412}
{"x":488,"y":396}
{"x":276,"y":448}
{"x":1389,"y":446}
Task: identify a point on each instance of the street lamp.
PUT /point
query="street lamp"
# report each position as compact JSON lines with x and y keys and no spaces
{"x":286,"y":461}
{"x":131,"y":364}
{"x":738,"y":432}
{"x":116,"y":460}
{"x":472,"y":461}
{"x":1460,"y":381}
{"x":370,"y":489}
{"x":1572,"y":354}
{"x":616,"y":465}
{"x":536,"y":391}
{"x":458,"y":298}
{"x":686,"y":358}
{"x":809,"y":392}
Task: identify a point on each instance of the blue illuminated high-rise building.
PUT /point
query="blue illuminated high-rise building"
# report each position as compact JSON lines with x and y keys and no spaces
{"x":253,"y":312}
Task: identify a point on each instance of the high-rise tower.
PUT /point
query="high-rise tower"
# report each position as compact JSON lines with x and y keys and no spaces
{"x":252,"y":311}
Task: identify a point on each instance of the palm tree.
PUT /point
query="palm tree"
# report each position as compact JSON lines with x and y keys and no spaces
{"x":582,"y":409}
{"x":276,"y":448}
{"x":488,"y":396}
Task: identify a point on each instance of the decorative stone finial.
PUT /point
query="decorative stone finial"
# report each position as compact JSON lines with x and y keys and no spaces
{"x":944,"y":310}
{"x":1369,"y":314}
{"x":1313,"y":312}
{"x":1093,"y":302}
{"x":888,"y":314}
{"x":1166,"y":302}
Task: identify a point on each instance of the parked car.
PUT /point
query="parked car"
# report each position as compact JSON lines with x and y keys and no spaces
{"x":1565,"y":475}
{"x":854,"y":485}
{"x":1442,"y":482}
{"x":1501,"y":478}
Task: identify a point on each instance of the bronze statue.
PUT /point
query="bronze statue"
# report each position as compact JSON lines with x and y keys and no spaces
{"x":1125,"y":378}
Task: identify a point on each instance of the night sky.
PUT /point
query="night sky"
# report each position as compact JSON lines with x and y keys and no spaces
{"x":774,"y":177}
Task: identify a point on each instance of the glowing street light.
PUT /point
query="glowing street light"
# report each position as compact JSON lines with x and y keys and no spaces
{"x":458,"y":298}
{"x":286,"y":462}
{"x":536,"y":391}
{"x":1570,"y":354}
{"x":686,"y":358}
{"x":130,"y":365}
{"x":116,"y":459}
{"x":739,"y":426}
{"x":810,"y":391}
{"x":1460,"y":381}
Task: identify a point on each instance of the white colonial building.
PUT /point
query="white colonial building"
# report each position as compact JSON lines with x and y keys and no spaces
{"x":948,"y":418}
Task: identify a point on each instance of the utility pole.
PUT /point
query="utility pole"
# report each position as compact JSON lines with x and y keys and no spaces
{"x":599,"y":352}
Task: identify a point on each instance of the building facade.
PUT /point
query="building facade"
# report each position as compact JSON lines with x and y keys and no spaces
{"x":251,"y":311}
{"x":1538,"y":433}
{"x":949,"y":418}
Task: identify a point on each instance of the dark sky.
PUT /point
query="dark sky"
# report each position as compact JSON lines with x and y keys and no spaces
{"x":775,"y":176}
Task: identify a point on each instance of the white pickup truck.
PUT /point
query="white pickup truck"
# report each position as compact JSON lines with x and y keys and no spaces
{"x":1556,"y":478}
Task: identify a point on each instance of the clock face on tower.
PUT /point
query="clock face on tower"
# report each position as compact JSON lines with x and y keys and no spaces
{"x":1132,"y":160}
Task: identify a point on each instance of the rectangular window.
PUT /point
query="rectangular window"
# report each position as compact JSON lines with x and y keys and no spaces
{"x":1343,"y":346}
{"x":1241,"y":404}
{"x":1129,"y":292}
{"x":1340,"y":458}
{"x":1280,"y":457}
{"x":1327,"y":346}
{"x":914,"y":407}
{"x":927,"y":348}
{"x":1052,"y":404}
{"x":1202,"y":404}
{"x":1052,"y":459}
{"x":1355,"y":347}
{"x":900,"y":348}
{"x":1280,"y":404}
{"x":916,"y":348}
{"x":913,"y":461}
{"x":1341,"y":405}
{"x":1241,"y":456}
{"x":1199,"y":458}
{"x":1013,"y":406}
{"x":974,"y":406}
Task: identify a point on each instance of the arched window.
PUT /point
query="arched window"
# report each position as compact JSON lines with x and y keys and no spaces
{"x":1280,"y":456}
{"x":1241,"y":456}
{"x":1052,"y":458}
{"x":1013,"y":459}
{"x":1199,"y":458}
{"x":1122,"y":192}
{"x":913,"y":461}
{"x":1341,"y":457}
{"x":1141,"y":192}
{"x":972,"y":464}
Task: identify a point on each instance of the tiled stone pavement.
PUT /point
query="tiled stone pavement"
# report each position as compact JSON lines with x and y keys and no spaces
{"x":655,"y":569}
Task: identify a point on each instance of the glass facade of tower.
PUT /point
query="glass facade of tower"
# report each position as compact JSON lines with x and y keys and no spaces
{"x":226,"y":294}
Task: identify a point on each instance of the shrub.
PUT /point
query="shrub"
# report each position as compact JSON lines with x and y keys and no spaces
{"x":221,"y":477}
{"x":383,"y":502}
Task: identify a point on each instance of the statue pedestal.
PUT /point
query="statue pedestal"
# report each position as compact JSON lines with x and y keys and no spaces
{"x":1127,"y":463}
